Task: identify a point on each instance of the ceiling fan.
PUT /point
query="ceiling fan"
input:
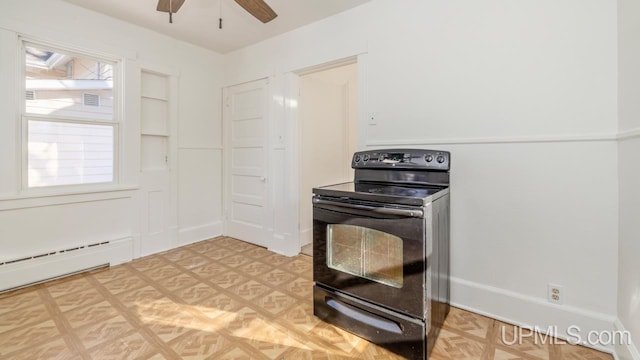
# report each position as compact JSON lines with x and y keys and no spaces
{"x":258,"y":8}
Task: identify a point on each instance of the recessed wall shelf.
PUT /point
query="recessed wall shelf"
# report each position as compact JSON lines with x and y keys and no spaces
{"x":154,"y":122}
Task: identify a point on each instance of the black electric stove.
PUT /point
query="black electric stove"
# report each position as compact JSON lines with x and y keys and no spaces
{"x":381,"y":249}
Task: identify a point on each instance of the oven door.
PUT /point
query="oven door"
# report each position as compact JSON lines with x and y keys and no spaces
{"x":372,"y":252}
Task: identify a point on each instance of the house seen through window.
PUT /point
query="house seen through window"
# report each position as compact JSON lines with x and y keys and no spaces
{"x":69,"y":117}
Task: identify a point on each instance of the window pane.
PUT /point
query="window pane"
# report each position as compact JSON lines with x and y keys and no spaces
{"x":364,"y":252}
{"x":67,"y":153}
{"x":67,"y":85}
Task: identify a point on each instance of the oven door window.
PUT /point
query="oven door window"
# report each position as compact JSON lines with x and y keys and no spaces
{"x":364,"y":252}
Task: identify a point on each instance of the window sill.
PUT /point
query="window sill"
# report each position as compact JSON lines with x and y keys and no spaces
{"x":49,"y":197}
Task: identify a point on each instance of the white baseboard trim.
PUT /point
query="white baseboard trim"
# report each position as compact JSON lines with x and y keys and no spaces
{"x":625,"y":351}
{"x":35,"y":270}
{"x":198,"y":233}
{"x":306,"y":237}
{"x":284,"y":244}
{"x":159,"y":242}
{"x":530,"y":312}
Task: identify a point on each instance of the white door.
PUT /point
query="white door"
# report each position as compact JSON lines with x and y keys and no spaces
{"x":247,"y":215}
{"x":158,"y":213}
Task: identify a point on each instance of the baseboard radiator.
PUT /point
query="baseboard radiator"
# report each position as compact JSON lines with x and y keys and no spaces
{"x":51,"y":265}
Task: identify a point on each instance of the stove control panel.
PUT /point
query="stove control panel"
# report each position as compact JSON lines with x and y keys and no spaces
{"x":402,"y":159}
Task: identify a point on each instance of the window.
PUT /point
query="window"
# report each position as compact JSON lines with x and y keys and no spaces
{"x":69,"y":119}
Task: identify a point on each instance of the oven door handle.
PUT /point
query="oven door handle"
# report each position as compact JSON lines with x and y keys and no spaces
{"x":416,"y":213}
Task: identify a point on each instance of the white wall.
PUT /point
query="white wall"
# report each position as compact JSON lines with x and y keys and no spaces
{"x":34,"y":223}
{"x":200,"y":146}
{"x":629,"y":173}
{"x":524,"y":95}
{"x":328,"y":134}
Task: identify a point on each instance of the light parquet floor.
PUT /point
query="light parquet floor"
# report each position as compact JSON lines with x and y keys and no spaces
{"x":217,"y":299}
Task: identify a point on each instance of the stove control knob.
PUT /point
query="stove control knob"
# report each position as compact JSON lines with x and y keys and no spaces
{"x":440,"y":159}
{"x":356,"y":159}
{"x":428,"y":158}
{"x":365,"y":158}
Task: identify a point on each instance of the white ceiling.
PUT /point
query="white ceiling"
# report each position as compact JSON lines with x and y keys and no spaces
{"x":197,"y":20}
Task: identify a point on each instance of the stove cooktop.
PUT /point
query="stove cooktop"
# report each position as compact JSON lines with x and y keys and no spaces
{"x":391,"y":193}
{"x":400,"y":191}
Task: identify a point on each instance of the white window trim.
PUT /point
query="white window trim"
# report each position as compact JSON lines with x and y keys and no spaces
{"x":24,"y":117}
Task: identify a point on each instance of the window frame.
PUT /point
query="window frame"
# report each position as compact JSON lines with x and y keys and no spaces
{"x":25,"y":117}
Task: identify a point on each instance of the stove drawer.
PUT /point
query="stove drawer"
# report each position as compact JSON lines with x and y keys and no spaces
{"x":400,"y":334}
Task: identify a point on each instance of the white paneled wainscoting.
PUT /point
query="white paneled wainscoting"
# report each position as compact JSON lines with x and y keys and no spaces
{"x":46,"y":237}
{"x":529,"y":211}
{"x":199,"y":212}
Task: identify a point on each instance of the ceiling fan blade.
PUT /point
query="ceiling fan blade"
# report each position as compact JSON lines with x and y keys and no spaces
{"x":169,"y":6}
{"x":259,"y":9}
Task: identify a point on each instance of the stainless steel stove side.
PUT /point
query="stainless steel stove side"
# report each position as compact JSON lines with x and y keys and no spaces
{"x":438,"y":269}
{"x":429,"y":270}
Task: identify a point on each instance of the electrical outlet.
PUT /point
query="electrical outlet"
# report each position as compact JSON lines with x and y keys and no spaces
{"x":555,"y":293}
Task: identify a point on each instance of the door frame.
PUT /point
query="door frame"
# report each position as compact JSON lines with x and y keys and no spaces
{"x":284,"y":146}
{"x":292,"y":84}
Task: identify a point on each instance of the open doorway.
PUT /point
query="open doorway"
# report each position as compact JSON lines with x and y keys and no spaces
{"x":328,"y":115}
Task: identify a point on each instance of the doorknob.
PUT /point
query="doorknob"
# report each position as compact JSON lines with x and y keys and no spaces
{"x":263,"y":179}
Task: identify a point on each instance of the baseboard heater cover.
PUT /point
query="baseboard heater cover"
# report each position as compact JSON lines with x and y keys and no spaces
{"x":20,"y":273}
{"x":103,"y":266}
{"x":8,"y":262}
